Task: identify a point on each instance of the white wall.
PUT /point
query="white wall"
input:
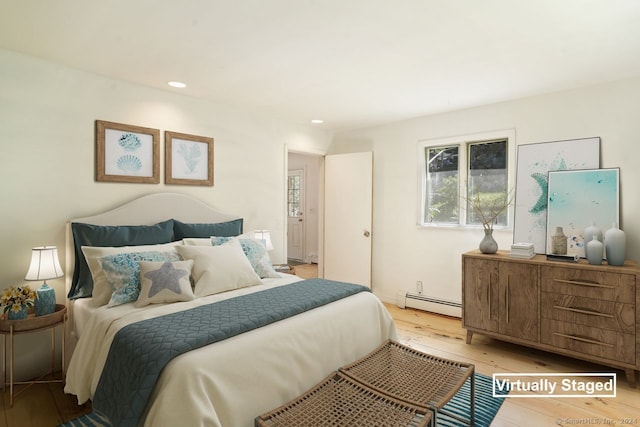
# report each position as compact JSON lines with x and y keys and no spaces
{"x":404,"y":253}
{"x":47,"y":117}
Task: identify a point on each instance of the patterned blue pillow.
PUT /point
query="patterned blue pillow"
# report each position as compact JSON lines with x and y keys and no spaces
{"x":255,"y":251}
{"x":123,"y":273}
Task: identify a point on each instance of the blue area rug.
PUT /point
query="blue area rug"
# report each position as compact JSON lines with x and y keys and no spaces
{"x":486,"y":407}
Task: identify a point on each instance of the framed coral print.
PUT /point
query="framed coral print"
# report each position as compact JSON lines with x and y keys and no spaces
{"x":188,"y":159}
{"x":576,"y":200}
{"x":534,"y":163}
{"x":126,"y":153}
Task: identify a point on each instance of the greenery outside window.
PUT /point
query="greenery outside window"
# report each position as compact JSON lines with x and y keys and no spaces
{"x":457,"y":171}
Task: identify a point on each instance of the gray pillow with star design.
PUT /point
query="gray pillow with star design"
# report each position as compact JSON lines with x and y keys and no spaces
{"x":163,"y":282}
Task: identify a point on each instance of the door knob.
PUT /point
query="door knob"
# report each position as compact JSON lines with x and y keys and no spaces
{"x":367,"y":233}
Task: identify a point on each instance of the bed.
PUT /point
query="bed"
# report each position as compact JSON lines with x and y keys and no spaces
{"x":231,"y":381}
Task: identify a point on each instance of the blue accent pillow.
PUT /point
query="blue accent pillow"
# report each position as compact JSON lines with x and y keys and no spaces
{"x":108,"y":235}
{"x":224,"y":229}
{"x":123,"y":273}
{"x":255,"y":251}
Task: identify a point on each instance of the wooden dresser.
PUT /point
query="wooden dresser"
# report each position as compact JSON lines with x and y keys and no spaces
{"x":590,"y":312}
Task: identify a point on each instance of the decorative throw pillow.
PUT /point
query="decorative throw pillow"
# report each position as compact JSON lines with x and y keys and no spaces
{"x":162,"y":282}
{"x":219,"y":268}
{"x":255,"y":251}
{"x":197,"y":241}
{"x":227,"y":229}
{"x":101,"y":289}
{"x":123,"y":273}
{"x":114,"y":236}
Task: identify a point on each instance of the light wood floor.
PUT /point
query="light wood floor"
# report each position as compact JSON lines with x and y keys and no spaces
{"x":46,"y":405}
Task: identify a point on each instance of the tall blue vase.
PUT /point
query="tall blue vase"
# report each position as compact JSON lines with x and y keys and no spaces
{"x":46,"y":301}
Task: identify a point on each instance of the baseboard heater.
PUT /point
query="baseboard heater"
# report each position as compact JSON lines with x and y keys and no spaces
{"x":435,"y":305}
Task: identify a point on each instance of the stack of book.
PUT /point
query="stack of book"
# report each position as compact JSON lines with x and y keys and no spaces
{"x":522,"y":250}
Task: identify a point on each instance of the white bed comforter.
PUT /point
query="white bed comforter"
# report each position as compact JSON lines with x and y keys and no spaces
{"x":231,"y":382}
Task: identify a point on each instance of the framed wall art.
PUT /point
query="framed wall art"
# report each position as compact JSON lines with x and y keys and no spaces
{"x":533,"y":165}
{"x":188,"y":159}
{"x":126,"y":153}
{"x":576,"y":200}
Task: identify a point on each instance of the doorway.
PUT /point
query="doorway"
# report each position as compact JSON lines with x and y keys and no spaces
{"x":295,"y":215}
{"x":304,"y":172}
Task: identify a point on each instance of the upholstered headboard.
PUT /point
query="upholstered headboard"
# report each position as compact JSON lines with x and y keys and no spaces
{"x":156,"y":210}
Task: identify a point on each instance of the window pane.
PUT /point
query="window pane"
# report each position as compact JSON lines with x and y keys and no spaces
{"x":487,"y":182}
{"x":294,"y":196}
{"x":442,"y":185}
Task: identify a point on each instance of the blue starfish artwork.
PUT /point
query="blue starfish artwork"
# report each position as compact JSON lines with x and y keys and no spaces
{"x":166,"y":277}
{"x":541,"y":203}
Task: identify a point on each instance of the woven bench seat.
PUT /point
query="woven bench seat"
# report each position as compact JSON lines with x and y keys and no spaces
{"x":341,"y":401}
{"x":412,"y":376}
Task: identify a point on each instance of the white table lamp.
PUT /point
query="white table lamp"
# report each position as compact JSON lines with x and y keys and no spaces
{"x":265,"y":237}
{"x":44,"y":265}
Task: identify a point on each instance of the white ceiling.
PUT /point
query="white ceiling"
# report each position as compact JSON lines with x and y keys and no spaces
{"x":353,"y":63}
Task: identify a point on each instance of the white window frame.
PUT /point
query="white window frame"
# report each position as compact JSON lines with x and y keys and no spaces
{"x":463,"y":141}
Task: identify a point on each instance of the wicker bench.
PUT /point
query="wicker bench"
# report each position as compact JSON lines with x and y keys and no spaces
{"x":414,"y":377}
{"x":393,"y":385}
{"x":341,"y":401}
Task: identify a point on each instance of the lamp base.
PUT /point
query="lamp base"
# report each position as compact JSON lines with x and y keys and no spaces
{"x":45,"y":302}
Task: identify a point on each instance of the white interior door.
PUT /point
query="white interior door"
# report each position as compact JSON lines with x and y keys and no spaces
{"x":295,"y":219}
{"x":347,"y":217}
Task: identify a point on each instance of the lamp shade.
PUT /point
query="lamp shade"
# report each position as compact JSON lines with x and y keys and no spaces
{"x":44,"y":264}
{"x":265,"y":237}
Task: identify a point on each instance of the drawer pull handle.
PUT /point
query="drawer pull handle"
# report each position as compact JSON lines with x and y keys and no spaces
{"x":591,"y":284}
{"x":583,"y":311}
{"x":587,"y":340}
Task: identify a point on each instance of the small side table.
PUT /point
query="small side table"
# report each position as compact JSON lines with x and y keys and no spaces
{"x":26,"y":326}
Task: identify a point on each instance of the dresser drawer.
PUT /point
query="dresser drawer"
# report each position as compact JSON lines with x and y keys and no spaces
{"x":591,"y":312}
{"x":588,"y":340}
{"x":587,"y":283}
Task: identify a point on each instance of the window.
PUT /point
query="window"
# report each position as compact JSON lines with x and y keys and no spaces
{"x":293,"y":190}
{"x":458,"y":171}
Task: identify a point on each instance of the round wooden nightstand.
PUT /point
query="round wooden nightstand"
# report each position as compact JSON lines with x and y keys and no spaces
{"x":31,"y":324}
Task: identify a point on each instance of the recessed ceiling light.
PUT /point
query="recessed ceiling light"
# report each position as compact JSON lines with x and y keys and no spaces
{"x":317,"y":121}
{"x":177,"y":84}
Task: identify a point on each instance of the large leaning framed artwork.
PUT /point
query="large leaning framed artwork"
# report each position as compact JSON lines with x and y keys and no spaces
{"x":126,"y":153}
{"x":188,"y":159}
{"x":534,"y":163}
{"x":576,"y":200}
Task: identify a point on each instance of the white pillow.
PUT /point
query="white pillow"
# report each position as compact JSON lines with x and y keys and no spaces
{"x":197,"y":241}
{"x":162,"y":282}
{"x":219,"y":268}
{"x":101,"y":289}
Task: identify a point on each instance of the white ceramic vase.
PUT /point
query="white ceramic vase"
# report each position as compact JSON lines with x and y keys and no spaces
{"x":593,"y":250}
{"x":615,"y":244}
{"x":589,"y":232}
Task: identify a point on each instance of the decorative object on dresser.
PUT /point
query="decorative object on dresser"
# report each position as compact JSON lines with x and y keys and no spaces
{"x":615,"y":243}
{"x":188,"y":159}
{"x":594,"y":250}
{"x":522,"y":250}
{"x":589,"y":312}
{"x":577,"y":198}
{"x":534,"y":163}
{"x":44,"y":265}
{"x":487,"y":207}
{"x":126,"y":153}
{"x":589,"y":233}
